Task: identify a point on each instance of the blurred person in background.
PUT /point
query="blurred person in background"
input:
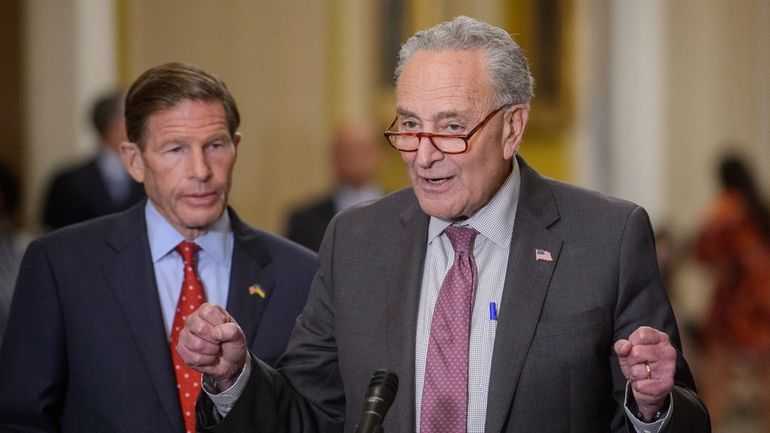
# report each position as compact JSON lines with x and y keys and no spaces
{"x":12,"y":242}
{"x":101,"y":185}
{"x":734,"y":242}
{"x":355,"y":159}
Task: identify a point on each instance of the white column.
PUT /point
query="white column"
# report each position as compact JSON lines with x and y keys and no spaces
{"x":620,"y":100}
{"x":592,"y":129}
{"x":96,"y":60}
{"x":637,"y":101}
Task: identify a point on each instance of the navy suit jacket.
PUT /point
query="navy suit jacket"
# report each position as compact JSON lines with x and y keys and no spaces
{"x":86,"y":349}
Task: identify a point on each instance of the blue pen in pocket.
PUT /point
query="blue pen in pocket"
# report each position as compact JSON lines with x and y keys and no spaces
{"x":492,"y":311}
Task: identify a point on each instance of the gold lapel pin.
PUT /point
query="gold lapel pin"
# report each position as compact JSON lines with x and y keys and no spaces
{"x":255,"y":289}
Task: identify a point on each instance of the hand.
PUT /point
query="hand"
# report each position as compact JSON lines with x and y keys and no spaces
{"x":213,"y":344}
{"x":651,"y":385}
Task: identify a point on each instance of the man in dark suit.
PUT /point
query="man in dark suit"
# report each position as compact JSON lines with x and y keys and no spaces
{"x":552,"y":316}
{"x":100,"y":185}
{"x":87,"y":347}
{"x":355,"y":158}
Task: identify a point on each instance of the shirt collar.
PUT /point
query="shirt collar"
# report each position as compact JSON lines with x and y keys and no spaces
{"x":164,"y":237}
{"x":499,"y":213}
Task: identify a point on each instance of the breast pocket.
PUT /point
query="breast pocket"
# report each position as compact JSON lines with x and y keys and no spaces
{"x":553,"y":325}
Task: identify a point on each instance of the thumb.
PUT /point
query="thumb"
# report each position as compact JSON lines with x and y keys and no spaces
{"x":233,"y":342}
{"x":623,"y":348}
{"x":234,"y":351}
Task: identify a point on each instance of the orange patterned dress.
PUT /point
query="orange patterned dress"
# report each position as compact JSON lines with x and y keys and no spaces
{"x":732,"y":245}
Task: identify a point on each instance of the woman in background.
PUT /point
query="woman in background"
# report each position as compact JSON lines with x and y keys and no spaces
{"x":734,"y":243}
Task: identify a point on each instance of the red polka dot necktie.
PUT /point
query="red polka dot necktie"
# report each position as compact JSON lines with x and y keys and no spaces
{"x":444,"y":407}
{"x":191,"y":297}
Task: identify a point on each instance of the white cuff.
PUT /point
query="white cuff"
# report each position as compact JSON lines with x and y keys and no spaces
{"x":225,"y":400}
{"x":636,"y":418}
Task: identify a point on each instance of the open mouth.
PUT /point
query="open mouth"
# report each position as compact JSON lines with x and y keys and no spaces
{"x":437,"y":180}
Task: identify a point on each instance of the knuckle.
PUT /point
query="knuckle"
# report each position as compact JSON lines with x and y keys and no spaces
{"x":196,"y":345}
{"x":197,"y":359}
{"x":197,"y":327}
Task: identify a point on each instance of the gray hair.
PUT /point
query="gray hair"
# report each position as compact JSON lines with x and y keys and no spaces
{"x":507,"y":66}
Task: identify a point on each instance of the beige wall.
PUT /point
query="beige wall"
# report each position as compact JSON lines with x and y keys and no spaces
{"x":296,"y":67}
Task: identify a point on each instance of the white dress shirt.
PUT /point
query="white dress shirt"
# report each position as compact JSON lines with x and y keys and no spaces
{"x":494,"y":222}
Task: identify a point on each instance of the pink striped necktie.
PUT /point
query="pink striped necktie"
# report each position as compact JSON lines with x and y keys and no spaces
{"x":444,"y":407}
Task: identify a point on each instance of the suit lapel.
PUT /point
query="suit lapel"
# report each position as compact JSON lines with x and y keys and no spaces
{"x":250,"y":286}
{"x":402,"y":311}
{"x":131,"y":279}
{"x":526,"y":284}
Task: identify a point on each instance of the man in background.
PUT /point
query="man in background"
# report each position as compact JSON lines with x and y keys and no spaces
{"x":12,"y":242}
{"x":98,"y":306}
{"x":100,"y":185}
{"x":355,"y":159}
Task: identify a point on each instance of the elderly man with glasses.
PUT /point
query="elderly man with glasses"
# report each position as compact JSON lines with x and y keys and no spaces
{"x":504,"y":301}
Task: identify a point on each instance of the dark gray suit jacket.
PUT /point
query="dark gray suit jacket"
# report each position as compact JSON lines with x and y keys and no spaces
{"x":553,"y":366}
{"x":86,"y":349}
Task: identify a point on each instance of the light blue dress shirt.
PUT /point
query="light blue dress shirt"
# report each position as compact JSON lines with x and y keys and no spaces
{"x":213,"y":261}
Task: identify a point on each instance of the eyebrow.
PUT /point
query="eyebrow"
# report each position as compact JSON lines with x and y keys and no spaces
{"x":183,"y":140}
{"x":402,"y":112}
{"x":219,"y":136}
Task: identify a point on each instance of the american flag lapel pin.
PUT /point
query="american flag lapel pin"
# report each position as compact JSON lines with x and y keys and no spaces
{"x":255,"y":289}
{"x":543,"y":255}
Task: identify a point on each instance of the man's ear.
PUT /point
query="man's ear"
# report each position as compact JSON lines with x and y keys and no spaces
{"x":515,"y":119}
{"x":132,"y":159}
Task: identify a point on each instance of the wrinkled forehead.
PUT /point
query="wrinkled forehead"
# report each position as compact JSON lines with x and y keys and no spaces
{"x":189,"y":117}
{"x":444,"y":81}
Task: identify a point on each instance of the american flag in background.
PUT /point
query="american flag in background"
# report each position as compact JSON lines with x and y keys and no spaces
{"x":543,"y":255}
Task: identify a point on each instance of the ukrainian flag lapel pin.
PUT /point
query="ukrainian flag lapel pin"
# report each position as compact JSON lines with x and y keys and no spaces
{"x":255,"y":289}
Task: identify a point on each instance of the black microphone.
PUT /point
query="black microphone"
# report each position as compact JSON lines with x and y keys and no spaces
{"x":379,"y":396}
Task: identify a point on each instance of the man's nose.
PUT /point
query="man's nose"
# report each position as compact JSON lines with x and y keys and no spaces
{"x":427,"y":152}
{"x":199,"y":165}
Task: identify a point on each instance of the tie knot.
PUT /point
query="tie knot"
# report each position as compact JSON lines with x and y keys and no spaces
{"x":187,"y":250}
{"x":461,"y":237}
